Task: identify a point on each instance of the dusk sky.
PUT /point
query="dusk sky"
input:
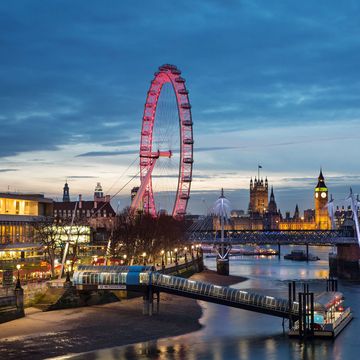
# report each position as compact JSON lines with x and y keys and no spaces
{"x":275,"y":83}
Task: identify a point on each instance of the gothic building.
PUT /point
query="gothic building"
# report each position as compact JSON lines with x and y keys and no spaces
{"x":264,"y":214}
{"x":97,"y":213}
{"x":322,"y":220}
{"x":259,"y":194}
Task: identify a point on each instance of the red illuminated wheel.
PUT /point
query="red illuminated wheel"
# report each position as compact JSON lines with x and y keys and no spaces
{"x":166,"y":146}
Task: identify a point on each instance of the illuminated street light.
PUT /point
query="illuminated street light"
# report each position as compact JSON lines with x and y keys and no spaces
{"x":18,"y":285}
{"x":162,"y":259}
{"x":176,"y":256}
{"x":144,"y":256}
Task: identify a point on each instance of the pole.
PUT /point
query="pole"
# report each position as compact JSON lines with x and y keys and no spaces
{"x":68,"y":242}
{"x":300,"y":316}
{"x":307,"y":252}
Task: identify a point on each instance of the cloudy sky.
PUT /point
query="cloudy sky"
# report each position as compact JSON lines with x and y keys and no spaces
{"x":275,"y":83}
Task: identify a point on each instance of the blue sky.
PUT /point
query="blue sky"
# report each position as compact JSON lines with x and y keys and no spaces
{"x":271,"y":82}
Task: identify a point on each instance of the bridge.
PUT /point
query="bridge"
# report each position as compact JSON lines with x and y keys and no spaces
{"x":142,"y":279}
{"x":274,"y":237}
{"x":145,"y":280}
{"x":346,"y":264}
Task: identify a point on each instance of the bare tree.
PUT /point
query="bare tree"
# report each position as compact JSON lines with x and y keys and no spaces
{"x":47,"y":233}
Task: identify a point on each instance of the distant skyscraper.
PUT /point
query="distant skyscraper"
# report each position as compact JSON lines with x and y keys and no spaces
{"x":66,"y":193}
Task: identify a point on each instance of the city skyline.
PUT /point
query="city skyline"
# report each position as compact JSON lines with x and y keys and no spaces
{"x":71,"y":104}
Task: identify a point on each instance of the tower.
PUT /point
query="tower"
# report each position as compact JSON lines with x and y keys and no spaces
{"x":98,"y":193}
{"x":272,"y":216}
{"x":272,"y":208}
{"x":322,"y":220}
{"x":259,"y":196}
{"x":66,"y":193}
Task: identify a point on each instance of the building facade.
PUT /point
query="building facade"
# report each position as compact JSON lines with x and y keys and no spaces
{"x":18,"y":215}
{"x":259,"y":195}
{"x":263,"y":213}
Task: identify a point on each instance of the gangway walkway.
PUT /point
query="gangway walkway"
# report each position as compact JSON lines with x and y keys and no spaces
{"x":143,"y":279}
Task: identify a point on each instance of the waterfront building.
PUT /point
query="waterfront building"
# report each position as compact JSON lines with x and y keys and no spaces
{"x":263,"y":213}
{"x":97,"y":213}
{"x":18,"y":214}
{"x":259,"y":194}
{"x":322,"y":220}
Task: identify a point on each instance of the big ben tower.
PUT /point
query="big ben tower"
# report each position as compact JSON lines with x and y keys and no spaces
{"x":322,"y":220}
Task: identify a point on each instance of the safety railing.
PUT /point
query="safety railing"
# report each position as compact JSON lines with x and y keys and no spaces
{"x":229,"y":294}
{"x":96,"y":278}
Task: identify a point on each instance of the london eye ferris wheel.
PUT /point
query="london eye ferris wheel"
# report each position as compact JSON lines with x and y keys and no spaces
{"x":166,"y":146}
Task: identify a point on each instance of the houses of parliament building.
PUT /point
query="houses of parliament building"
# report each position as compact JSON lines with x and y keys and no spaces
{"x":263,"y":213}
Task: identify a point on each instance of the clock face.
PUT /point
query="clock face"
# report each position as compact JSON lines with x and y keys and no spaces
{"x":323,"y":195}
{"x":317,"y":195}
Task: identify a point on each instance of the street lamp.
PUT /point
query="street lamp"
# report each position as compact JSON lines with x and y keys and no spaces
{"x":192,"y":252}
{"x":162,"y":259}
{"x":176,"y":256}
{"x":144,"y":257}
{"x":185,"y":249}
{"x":18,"y":285}
{"x":124,"y":257}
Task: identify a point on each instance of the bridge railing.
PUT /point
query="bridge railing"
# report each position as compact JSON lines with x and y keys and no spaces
{"x":319,"y":237}
{"x":229,"y":294}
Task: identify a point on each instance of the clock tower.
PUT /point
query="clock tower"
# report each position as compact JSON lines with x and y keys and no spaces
{"x":322,"y":220}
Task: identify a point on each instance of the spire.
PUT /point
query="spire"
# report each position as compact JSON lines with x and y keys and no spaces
{"x":222,"y":193}
{"x":272,"y":208}
{"x":272,"y":196}
{"x":296,"y":213}
{"x":321,"y":180}
{"x":66,"y":192}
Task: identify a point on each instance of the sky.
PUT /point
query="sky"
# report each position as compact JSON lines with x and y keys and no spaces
{"x":275,"y":83}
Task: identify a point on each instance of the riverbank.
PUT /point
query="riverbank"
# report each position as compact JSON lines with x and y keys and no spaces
{"x":47,"y":334}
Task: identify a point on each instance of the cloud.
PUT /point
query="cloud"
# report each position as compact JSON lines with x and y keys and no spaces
{"x":108,"y":153}
{"x":82,"y":177}
{"x":8,"y":170}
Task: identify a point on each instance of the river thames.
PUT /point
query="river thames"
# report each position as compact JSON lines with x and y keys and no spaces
{"x":230,"y":333}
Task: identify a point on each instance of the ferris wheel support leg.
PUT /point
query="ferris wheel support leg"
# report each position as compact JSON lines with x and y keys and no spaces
{"x":144,"y":183}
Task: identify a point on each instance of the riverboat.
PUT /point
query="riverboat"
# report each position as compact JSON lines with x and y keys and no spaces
{"x":300,"y":255}
{"x":330,"y":316}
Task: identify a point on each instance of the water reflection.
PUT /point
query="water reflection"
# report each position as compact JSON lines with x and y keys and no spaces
{"x":230,"y":333}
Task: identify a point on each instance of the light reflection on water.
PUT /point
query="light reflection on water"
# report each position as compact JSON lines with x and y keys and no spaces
{"x":230,"y":333}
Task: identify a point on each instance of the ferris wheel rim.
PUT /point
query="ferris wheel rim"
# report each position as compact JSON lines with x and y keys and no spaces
{"x":168,"y":74}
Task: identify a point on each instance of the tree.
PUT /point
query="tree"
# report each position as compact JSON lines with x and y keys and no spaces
{"x":134,"y":235}
{"x":47,"y":233}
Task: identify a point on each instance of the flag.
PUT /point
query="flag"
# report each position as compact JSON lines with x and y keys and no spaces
{"x":260,"y":167}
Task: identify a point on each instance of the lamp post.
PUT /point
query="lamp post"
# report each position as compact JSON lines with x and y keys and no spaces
{"x":68,"y":269}
{"x":144,"y":258}
{"x":125,"y":257}
{"x":18,"y":284}
{"x":192,"y":252}
{"x":162,"y":259}
{"x":185,"y":249}
{"x":176,"y":256}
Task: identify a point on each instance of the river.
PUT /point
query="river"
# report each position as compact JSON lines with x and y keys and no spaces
{"x":230,"y":333}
